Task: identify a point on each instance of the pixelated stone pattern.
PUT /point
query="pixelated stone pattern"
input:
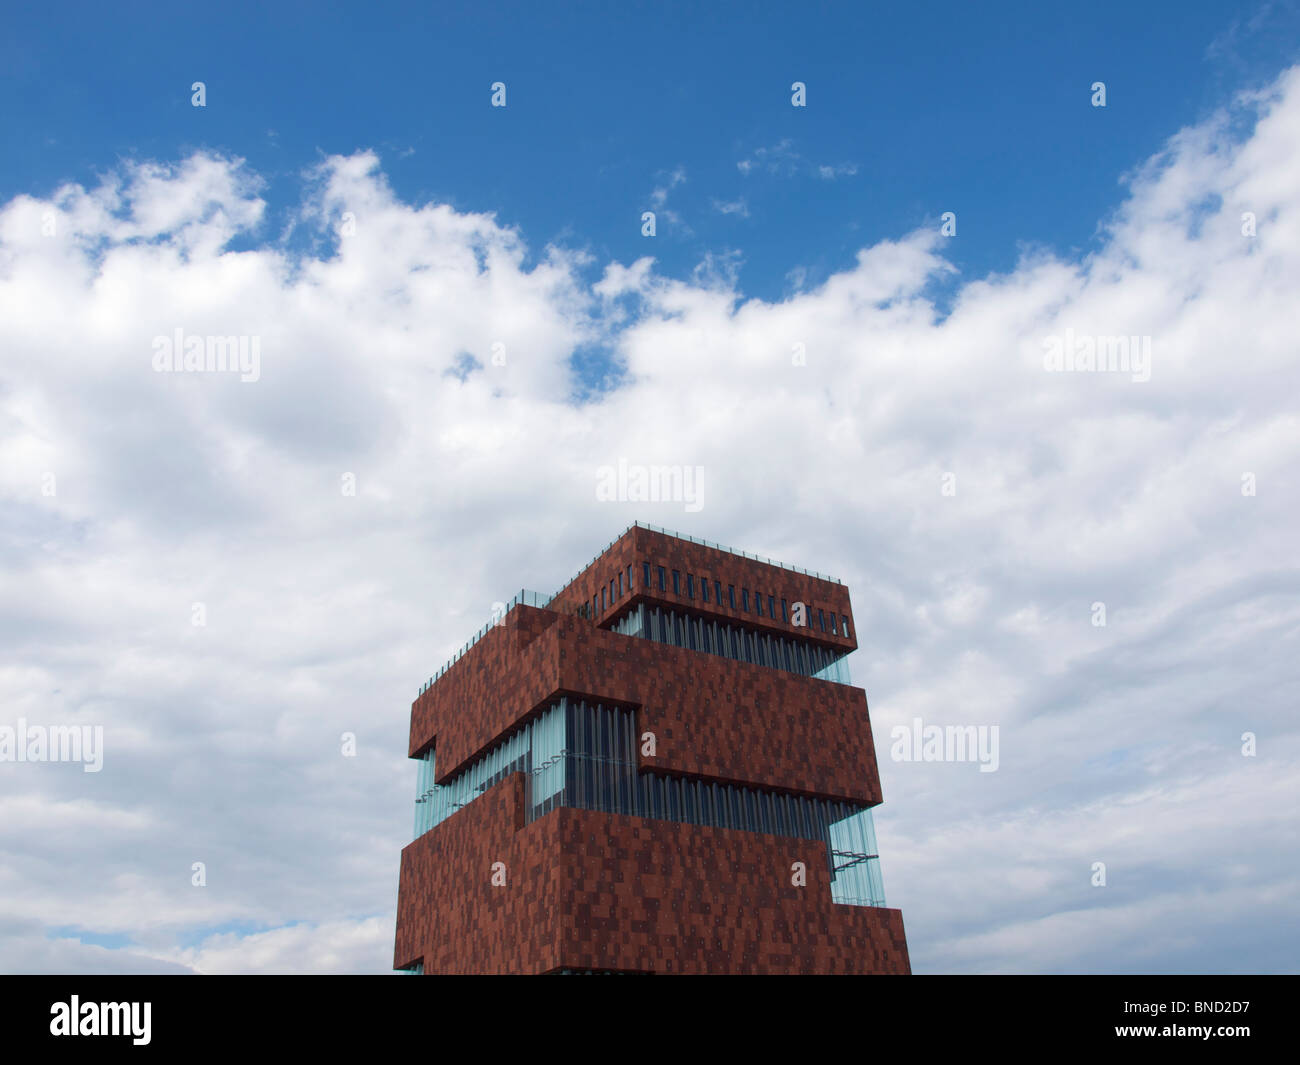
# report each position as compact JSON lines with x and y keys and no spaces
{"x":600,"y":891}
{"x":508,"y":674}
{"x":712,"y":717}
{"x":448,"y":912}
{"x":639,"y":545}
{"x":597,"y":891}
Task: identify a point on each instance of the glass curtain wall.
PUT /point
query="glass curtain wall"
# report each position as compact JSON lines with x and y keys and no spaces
{"x":855,"y":863}
{"x":583,"y":755}
{"x":680,"y":629}
{"x":534,"y":749}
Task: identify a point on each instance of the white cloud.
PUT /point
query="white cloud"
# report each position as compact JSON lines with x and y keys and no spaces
{"x":659,"y":194}
{"x":326,"y":611}
{"x":333,"y":947}
{"x":778,"y":158}
{"x":830,"y":173}
{"x":782,"y":159}
{"x":659,"y":203}
{"x":736,"y":207}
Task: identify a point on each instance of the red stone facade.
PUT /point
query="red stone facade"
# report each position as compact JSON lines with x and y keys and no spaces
{"x":640,"y":545}
{"x":587,"y":890}
{"x":712,"y":717}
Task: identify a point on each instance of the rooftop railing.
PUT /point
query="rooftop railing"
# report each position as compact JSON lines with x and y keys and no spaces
{"x":594,"y":559}
{"x":695,"y":540}
{"x":731,"y":551}
{"x":525,"y":596}
{"x":538,"y":600}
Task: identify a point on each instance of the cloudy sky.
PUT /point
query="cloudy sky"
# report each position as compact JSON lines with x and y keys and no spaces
{"x":459,"y":321}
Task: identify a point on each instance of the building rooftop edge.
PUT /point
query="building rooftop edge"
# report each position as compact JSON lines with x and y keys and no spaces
{"x":537,"y":599}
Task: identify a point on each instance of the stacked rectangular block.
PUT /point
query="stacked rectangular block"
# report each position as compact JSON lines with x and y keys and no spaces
{"x":587,"y":890}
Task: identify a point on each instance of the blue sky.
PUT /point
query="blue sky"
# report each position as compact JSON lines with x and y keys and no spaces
{"x":916,"y":108}
{"x":348,"y":515}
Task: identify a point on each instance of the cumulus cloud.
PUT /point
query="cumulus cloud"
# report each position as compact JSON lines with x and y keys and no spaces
{"x":412,"y":452}
{"x":333,"y":947}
